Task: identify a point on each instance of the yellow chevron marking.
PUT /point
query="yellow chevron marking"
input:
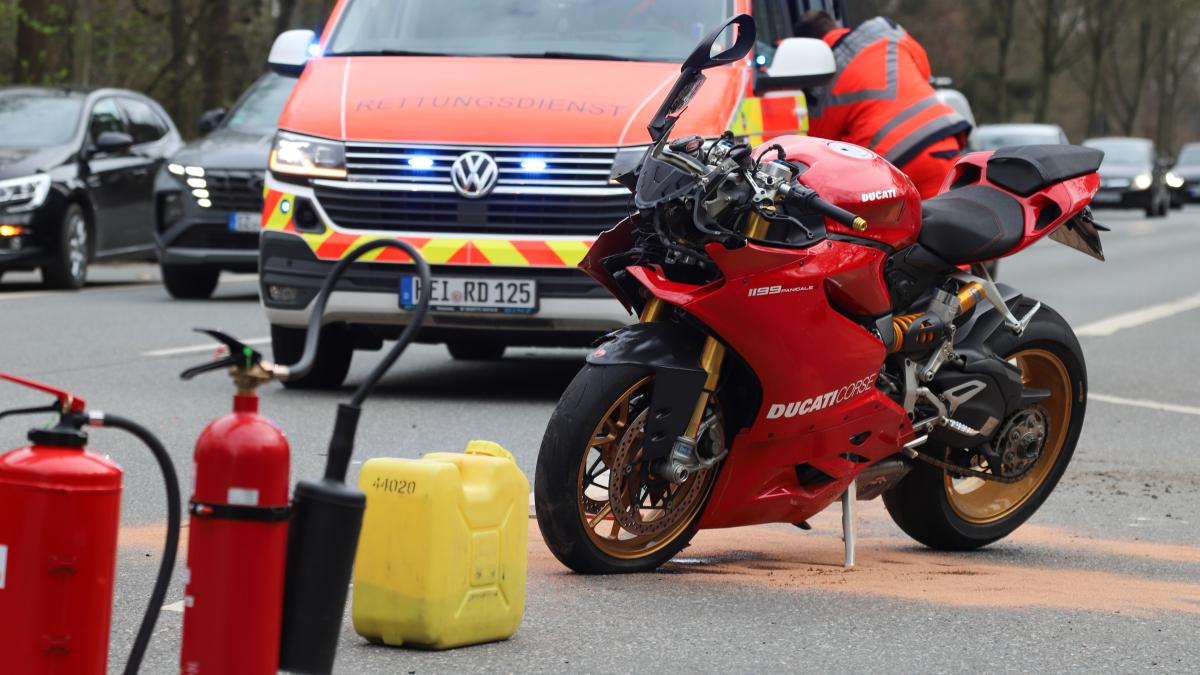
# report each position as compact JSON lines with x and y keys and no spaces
{"x":749,"y":120}
{"x":500,"y":252}
{"x":571,"y":252}
{"x":441,"y":250}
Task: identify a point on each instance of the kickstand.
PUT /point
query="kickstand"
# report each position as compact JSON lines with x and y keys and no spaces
{"x":848,"y":526}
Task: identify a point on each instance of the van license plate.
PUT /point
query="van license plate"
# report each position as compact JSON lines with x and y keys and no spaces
{"x":458,"y":294}
{"x":245,"y":221}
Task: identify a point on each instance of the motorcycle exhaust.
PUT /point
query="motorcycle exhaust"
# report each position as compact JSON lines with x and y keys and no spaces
{"x":881,"y":477}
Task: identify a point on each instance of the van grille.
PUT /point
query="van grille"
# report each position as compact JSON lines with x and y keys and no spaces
{"x":564,"y":167}
{"x":411,"y":211}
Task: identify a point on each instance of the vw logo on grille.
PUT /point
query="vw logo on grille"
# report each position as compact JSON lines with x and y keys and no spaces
{"x":474,"y":174}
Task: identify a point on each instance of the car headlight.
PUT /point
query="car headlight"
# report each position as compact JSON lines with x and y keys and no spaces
{"x":193,"y":177}
{"x":24,"y":194}
{"x":297,"y":155}
{"x":1174,"y":181}
{"x":1142,"y":181}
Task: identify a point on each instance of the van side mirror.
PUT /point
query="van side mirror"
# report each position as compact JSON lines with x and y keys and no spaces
{"x":210,"y":120}
{"x":798,"y":63}
{"x":113,"y":143}
{"x":290,"y":53}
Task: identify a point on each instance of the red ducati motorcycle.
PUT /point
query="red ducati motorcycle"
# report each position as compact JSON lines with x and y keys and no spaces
{"x":809,"y":327}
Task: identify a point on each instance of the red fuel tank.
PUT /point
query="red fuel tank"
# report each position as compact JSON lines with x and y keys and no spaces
{"x":237,"y":544}
{"x":861,"y":182}
{"x":59,"y":516}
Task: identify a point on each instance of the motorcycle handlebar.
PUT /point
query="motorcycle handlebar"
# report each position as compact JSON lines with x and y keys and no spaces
{"x":808,"y":197}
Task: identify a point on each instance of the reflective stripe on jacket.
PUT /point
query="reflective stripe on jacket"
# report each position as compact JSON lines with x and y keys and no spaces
{"x":881,"y":97}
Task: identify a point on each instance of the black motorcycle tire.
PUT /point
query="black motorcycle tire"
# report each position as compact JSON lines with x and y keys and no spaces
{"x":567,"y":438}
{"x":920,"y":504}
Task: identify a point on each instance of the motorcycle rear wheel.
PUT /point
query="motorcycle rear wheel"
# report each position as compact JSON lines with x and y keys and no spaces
{"x":598,"y":422}
{"x":958,"y":514}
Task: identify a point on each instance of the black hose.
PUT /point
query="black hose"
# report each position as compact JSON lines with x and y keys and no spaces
{"x":341,"y":444}
{"x":309,"y":356}
{"x":170,"y":548}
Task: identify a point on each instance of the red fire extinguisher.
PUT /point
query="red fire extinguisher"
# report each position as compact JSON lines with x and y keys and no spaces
{"x":238,"y":533}
{"x":60,"y":507}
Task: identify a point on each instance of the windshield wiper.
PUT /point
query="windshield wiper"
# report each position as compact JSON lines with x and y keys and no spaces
{"x":582,"y":56}
{"x":387,"y":52}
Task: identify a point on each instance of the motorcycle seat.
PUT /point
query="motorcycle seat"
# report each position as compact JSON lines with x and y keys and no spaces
{"x":971,"y":224}
{"x":1025,"y":169}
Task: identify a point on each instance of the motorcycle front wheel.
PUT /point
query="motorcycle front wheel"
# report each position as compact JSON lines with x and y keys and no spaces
{"x":951,"y":512}
{"x":599,"y":508}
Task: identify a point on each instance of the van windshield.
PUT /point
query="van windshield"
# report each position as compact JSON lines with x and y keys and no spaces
{"x":627,"y":30}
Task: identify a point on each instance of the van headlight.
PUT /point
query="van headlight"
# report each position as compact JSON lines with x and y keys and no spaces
{"x":1174,"y":181}
{"x":24,"y":194}
{"x":296,"y":155}
{"x":1142,"y":181}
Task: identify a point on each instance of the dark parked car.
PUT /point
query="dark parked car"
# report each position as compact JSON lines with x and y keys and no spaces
{"x":1184,"y":177}
{"x":77,"y":174}
{"x":1133,"y":176}
{"x":210,"y":195}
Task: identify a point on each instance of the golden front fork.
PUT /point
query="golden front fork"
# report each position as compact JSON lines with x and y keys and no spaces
{"x":713,"y":353}
{"x":711,"y":358}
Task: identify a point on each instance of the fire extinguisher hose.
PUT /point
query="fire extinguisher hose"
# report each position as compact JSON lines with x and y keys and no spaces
{"x":341,"y":445}
{"x":309,"y":356}
{"x":174,"y":516}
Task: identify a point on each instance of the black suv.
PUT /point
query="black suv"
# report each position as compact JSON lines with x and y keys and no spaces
{"x":77,"y":171}
{"x":210,"y":195}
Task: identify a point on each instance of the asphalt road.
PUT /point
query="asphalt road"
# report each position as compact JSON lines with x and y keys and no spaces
{"x":1106,"y":577}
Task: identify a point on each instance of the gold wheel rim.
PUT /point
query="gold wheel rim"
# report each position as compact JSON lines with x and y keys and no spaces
{"x":983,"y":502}
{"x":601,"y":525}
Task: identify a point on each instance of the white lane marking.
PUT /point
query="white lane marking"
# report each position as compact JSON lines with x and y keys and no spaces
{"x":1138,"y":317}
{"x":1143,"y":403}
{"x":174,"y":607}
{"x":200,"y":349}
{"x":132,"y":286}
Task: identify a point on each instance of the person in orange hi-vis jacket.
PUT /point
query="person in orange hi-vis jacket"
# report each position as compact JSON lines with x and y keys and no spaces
{"x":881,"y":99}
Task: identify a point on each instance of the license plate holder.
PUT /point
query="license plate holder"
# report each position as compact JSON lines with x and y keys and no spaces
{"x":245,"y":221}
{"x":475,"y":295}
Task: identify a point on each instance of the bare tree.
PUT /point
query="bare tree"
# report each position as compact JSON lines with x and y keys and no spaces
{"x":1056,"y":26}
{"x":1100,"y":21}
{"x":33,"y":62}
{"x":213,"y":35}
{"x":1179,"y":49}
{"x":1127,"y":79}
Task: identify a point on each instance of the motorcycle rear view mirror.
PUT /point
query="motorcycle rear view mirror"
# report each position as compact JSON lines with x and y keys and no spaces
{"x":702,"y":58}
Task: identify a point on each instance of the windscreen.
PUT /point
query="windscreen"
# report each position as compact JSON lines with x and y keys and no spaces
{"x":33,"y":121}
{"x":1124,"y":150}
{"x":259,"y":110}
{"x":1190,"y":156}
{"x":634,"y":30}
{"x":1005,"y":139}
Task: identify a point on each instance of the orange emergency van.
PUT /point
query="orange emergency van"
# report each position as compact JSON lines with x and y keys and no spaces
{"x":484,"y":132}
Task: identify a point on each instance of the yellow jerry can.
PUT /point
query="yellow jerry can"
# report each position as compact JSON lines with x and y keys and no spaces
{"x":442,"y":557}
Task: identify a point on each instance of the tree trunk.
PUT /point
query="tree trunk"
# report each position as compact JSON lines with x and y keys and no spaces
{"x":1049,"y":52}
{"x":1006,"y":14}
{"x":33,"y":42}
{"x":213,"y":36}
{"x":287,"y":9}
